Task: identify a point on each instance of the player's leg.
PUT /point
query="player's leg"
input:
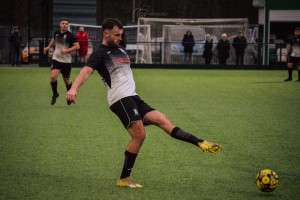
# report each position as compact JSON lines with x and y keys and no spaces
{"x":66,"y":73}
{"x":298,"y":68}
{"x":290,"y":71}
{"x":53,"y":81}
{"x":138,"y":135}
{"x":68,"y":82}
{"x":127,"y":111}
{"x":290,"y":68}
{"x":159,"y":119}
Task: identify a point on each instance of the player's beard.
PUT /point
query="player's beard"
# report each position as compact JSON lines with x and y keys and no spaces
{"x":112,"y":43}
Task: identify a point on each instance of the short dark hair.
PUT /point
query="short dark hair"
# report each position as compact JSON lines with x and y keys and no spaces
{"x":64,"y":19}
{"x":110,"y":23}
{"x":297,"y":29}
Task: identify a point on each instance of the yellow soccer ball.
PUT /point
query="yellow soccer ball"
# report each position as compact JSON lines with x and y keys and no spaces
{"x":267,"y":180}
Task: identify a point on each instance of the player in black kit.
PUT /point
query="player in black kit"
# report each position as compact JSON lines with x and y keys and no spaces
{"x":113,"y":64}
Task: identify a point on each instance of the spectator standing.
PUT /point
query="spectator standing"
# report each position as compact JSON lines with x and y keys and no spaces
{"x":223,"y":48}
{"x":188,"y":43}
{"x":294,"y":55}
{"x":208,"y":46}
{"x":15,"y":44}
{"x":240,"y":44}
{"x":82,"y":37}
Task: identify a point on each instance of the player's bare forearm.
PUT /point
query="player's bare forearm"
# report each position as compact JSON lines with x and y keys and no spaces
{"x":73,"y":48}
{"x":51,"y":43}
{"x":81,"y":78}
{"x":49,"y":46}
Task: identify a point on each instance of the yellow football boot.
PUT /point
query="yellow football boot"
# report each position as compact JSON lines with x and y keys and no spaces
{"x":206,"y":146}
{"x":128,"y":182}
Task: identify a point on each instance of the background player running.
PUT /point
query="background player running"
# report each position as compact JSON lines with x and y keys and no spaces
{"x":113,"y":64}
{"x":65,"y":42}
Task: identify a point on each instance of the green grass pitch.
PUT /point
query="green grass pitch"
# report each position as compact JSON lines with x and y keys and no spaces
{"x":77,"y":151}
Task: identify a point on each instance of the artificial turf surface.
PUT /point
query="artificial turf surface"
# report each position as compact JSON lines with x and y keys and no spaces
{"x":77,"y":151}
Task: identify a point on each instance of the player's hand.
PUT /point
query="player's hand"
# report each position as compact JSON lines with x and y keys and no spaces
{"x":71,"y":95}
{"x":63,"y":51}
{"x":45,"y":50}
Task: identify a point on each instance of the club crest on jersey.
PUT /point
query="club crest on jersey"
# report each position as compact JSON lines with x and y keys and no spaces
{"x":136,"y":112}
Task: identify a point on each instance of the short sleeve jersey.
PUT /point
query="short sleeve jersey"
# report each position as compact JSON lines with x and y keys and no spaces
{"x":295,"y":43}
{"x":113,"y":65}
{"x":63,"y":41}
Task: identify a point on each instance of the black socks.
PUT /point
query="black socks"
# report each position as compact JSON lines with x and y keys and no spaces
{"x":128,"y":164}
{"x":176,"y":133}
{"x":69,"y":86}
{"x":54,"y":87}
{"x":290,"y":71}
{"x":179,"y":134}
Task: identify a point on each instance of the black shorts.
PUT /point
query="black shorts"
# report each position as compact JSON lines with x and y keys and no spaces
{"x":294,"y":60}
{"x":131,"y":109}
{"x":65,"y":68}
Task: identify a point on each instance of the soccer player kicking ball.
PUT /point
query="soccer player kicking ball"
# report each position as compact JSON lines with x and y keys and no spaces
{"x":113,"y":64}
{"x":65,"y":42}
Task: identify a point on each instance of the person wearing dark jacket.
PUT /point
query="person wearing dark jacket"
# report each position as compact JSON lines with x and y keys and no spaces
{"x":15,"y":41}
{"x":223,"y":48}
{"x":188,"y":43}
{"x":208,"y":46}
{"x":240,"y":44}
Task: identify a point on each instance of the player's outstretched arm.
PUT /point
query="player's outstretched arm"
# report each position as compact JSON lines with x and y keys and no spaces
{"x":81,"y":78}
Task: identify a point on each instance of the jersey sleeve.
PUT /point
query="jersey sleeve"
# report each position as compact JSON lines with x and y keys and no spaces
{"x":72,"y":39}
{"x":95,"y":60}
